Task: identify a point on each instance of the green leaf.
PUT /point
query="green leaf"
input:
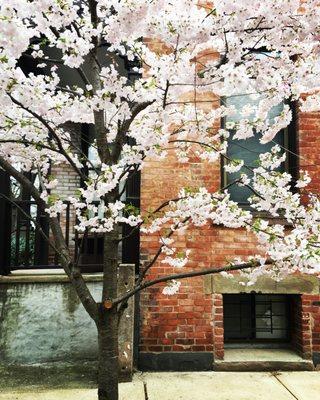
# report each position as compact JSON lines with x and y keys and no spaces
{"x":52,"y":199}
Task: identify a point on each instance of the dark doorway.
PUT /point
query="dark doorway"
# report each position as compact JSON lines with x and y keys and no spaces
{"x":256,"y":318}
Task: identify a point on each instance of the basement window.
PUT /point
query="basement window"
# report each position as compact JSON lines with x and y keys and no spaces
{"x":256,"y":318}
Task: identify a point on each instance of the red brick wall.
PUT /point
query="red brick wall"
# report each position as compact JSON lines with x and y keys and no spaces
{"x":192,"y":320}
{"x":177,"y":323}
{"x":301,"y":325}
{"x":311,"y":323}
{"x":308,"y":128}
{"x":189,"y":320}
{"x":218,"y":343}
{"x":306,"y":324}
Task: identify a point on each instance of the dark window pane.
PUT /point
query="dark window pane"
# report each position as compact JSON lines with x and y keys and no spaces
{"x":252,"y":317}
{"x":249,"y":149}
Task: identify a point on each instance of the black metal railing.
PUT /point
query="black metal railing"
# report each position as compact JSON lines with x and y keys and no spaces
{"x":24,"y":244}
{"x":24,"y":229}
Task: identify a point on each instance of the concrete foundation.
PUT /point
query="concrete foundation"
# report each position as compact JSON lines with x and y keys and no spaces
{"x":45,"y":322}
{"x":42,"y":321}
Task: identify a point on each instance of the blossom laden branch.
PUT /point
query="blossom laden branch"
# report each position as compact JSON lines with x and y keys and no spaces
{"x":52,"y":132}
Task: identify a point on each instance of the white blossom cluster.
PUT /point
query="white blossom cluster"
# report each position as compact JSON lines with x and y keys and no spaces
{"x":175,"y":104}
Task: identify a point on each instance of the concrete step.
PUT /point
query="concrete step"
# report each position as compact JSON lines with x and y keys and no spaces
{"x":260,"y":366}
{"x":248,"y":359}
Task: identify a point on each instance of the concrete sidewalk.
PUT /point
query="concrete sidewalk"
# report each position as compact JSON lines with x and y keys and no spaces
{"x":197,"y":386}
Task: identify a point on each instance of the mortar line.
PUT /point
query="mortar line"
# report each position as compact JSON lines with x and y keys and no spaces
{"x":275,"y":375}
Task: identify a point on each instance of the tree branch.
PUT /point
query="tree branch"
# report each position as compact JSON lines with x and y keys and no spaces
{"x":28,"y":143}
{"x":184,"y":275}
{"x":156,"y":256}
{"x":136,"y":109}
{"x":52,"y":132}
{"x":29,"y":217}
{"x":25,"y":182}
{"x":74,"y":274}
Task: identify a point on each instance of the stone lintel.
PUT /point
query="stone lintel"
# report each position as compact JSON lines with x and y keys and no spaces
{"x":292,"y":284}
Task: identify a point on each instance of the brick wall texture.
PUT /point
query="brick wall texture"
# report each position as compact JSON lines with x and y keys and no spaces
{"x":192,"y":320}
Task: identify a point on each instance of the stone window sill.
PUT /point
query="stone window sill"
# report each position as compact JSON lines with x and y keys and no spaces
{"x":45,"y":276}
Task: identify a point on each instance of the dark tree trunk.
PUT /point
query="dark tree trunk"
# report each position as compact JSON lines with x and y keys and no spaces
{"x":108,"y":321}
{"x":108,"y":355}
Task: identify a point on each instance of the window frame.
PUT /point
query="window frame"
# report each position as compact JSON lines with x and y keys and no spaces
{"x":251,"y":332}
{"x":290,"y":138}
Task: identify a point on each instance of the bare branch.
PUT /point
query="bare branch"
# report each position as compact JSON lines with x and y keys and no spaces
{"x":25,"y":182}
{"x":73,"y":273}
{"x":28,"y":143}
{"x":184,"y":275}
{"x":60,"y":246}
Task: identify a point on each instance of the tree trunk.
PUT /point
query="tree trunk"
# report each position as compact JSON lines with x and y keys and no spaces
{"x":108,"y":320}
{"x":108,"y":355}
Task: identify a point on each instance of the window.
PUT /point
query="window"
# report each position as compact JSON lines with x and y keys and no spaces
{"x":256,"y":317}
{"x":249,"y":149}
{"x":22,"y":245}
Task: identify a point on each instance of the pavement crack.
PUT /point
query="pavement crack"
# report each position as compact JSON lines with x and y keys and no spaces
{"x":276,"y":376}
{"x":145,"y":391}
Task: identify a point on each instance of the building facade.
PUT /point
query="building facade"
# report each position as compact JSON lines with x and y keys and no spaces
{"x":209,"y":315}
{"x":193,"y":329}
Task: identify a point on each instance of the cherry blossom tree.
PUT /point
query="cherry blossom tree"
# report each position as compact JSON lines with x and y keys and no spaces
{"x":266,"y":51}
